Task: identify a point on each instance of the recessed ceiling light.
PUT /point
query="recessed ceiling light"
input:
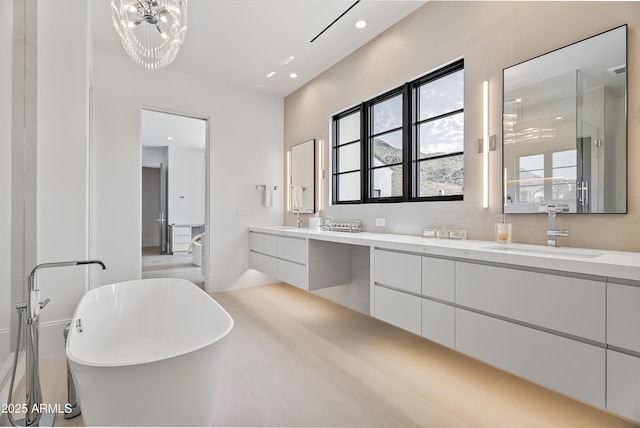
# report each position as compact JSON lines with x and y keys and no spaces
{"x":361,"y":24}
{"x":293,"y":75}
{"x":169,"y":138}
{"x":270,"y":75}
{"x":287,"y":61}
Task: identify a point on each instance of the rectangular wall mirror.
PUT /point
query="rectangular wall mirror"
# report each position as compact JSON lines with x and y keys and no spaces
{"x":565,"y":128}
{"x":302,"y":177}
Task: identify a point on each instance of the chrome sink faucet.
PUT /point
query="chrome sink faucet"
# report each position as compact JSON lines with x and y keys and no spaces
{"x":296,"y":211}
{"x":552,"y":232}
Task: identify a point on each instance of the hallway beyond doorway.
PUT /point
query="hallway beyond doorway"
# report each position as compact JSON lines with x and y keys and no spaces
{"x":155,"y":265}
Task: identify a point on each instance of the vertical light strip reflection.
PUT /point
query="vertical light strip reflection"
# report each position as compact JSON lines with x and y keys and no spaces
{"x":320,"y":176}
{"x":504,"y":186}
{"x":287,"y":193}
{"x":485,"y":144}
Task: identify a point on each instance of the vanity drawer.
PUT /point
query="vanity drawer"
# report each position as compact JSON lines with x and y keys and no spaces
{"x":398,"y":270}
{"x":400,"y":309}
{"x":296,"y":250}
{"x":297,"y":275}
{"x":439,"y":278}
{"x":623,"y":316}
{"x":559,"y":363}
{"x":182,"y":231}
{"x":267,"y":244}
{"x":570,"y":305}
{"x":267,"y":264}
{"x":438,"y":322}
{"x":623,"y":384}
{"x":181,"y":239}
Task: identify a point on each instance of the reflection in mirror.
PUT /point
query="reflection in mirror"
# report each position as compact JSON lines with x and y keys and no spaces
{"x":564,"y":128}
{"x":302,"y":177}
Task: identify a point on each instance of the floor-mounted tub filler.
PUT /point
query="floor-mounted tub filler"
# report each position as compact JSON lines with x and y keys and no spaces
{"x":147,"y":353}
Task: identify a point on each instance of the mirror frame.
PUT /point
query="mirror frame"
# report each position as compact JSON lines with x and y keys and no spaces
{"x":313,"y":173}
{"x":624,"y":113}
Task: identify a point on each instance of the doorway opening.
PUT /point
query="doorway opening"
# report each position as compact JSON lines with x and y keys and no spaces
{"x":174,"y":196}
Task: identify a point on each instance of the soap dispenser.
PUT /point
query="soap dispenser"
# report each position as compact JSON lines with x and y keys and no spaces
{"x":503,"y":231}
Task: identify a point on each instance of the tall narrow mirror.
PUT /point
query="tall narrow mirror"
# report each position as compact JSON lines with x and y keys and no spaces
{"x":565,"y":128}
{"x":302,"y":158}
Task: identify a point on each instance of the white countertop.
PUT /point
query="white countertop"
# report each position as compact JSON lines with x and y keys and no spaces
{"x":611,"y":264}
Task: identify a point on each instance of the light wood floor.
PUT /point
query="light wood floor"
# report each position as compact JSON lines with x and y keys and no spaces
{"x":156,"y":265}
{"x":295,"y":359}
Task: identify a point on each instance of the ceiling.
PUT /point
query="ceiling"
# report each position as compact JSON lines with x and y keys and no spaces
{"x":161,"y":129}
{"x":239,"y":42}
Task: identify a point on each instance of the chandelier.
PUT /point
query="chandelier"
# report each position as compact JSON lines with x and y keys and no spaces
{"x":151,"y":31}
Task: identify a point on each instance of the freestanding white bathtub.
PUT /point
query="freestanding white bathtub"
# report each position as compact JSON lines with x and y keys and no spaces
{"x":147,"y":352}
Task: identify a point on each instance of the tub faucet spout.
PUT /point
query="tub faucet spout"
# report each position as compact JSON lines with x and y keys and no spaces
{"x":32,"y":308}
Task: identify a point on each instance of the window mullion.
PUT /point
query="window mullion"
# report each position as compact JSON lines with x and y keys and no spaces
{"x":407,"y":152}
{"x":364,"y":152}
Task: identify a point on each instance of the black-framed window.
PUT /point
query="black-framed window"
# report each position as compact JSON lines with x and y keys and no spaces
{"x":347,"y":156}
{"x":404,"y":145}
{"x":385,"y":147}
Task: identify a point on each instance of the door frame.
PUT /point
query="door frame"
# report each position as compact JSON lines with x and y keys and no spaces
{"x":207,"y":187}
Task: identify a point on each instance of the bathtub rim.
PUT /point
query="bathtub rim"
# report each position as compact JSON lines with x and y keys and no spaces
{"x":166,"y":356}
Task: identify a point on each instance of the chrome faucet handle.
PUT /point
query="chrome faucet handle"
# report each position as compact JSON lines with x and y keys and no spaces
{"x":553,"y":207}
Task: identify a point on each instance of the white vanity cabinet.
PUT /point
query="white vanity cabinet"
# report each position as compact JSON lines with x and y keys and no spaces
{"x":179,"y":238}
{"x":438,"y":291}
{"x":283,"y":258}
{"x":545,"y":327}
{"x":565,"y":319}
{"x":623,"y":359}
{"x":409,"y":293}
{"x":397,"y":278}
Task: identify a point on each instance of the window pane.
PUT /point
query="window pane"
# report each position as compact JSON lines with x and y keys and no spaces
{"x":349,"y":128}
{"x":349,"y":157}
{"x":531,"y":163}
{"x":387,"y":149}
{"x":349,"y":186}
{"x":442,"y":176}
{"x":565,"y":158}
{"x":442,"y":136}
{"x":441,"y":96}
{"x":386,"y":182}
{"x":387,"y":115}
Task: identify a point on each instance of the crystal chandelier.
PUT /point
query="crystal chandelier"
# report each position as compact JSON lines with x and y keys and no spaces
{"x":151,"y":31}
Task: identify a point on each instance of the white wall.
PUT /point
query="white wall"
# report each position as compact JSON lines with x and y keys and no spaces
{"x":62,"y":174}
{"x":6,"y":42}
{"x":186,"y":193}
{"x":240,"y":157}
